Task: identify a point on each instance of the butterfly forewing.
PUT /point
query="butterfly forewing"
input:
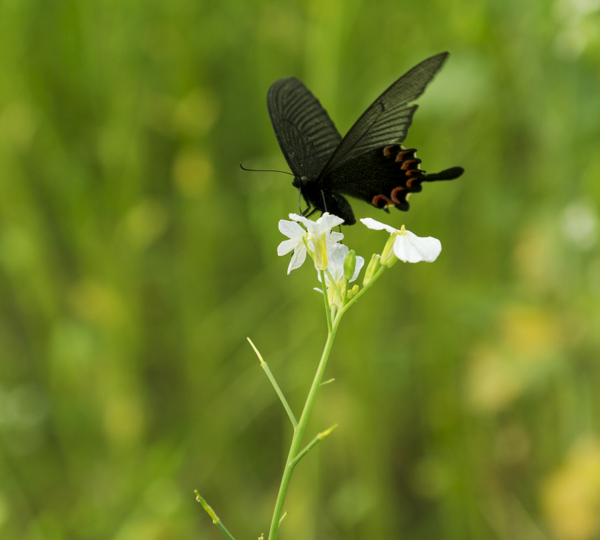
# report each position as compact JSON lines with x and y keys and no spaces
{"x":387,"y":120}
{"x":305,"y":133}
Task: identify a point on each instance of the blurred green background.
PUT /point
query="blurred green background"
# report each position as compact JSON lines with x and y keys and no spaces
{"x":135,"y":258}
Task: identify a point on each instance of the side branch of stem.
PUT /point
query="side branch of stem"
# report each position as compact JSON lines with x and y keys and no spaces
{"x":271,"y":377}
{"x":310,"y":445}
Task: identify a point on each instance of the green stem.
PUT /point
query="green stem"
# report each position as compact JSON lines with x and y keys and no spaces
{"x":297,"y":438}
{"x":293,"y":455}
{"x":327,"y":309}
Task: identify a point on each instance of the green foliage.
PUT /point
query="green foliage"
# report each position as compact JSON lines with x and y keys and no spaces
{"x":135,"y":258}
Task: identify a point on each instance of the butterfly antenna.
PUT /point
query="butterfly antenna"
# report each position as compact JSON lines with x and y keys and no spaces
{"x":263,"y":170}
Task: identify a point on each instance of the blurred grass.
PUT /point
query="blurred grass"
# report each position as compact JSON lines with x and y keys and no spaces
{"x":136,"y":257}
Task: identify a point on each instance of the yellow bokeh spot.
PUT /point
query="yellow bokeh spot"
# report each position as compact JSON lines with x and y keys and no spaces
{"x":124,"y":419}
{"x":528,"y":342}
{"x":192,"y":173}
{"x":533,"y":256}
{"x":529,"y":332}
{"x":17,"y":124}
{"x":146,"y":222}
{"x":96,"y":302}
{"x":492,"y":384}
{"x":571,"y":495}
{"x":196,"y":113}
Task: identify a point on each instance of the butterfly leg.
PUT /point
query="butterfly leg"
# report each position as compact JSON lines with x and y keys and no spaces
{"x":324,"y":201}
{"x":304,"y":213}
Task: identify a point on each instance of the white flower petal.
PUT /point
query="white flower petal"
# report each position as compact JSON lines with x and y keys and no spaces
{"x":334,"y":238}
{"x":339,"y":251}
{"x":301,"y":219}
{"x":329,"y":221}
{"x":377,"y":225}
{"x":290,"y":229}
{"x":336,"y":256}
{"x":318,"y":290}
{"x":286,"y":246}
{"x":360,"y":262}
{"x":312,"y":228}
{"x":298,"y":258}
{"x":412,"y":248}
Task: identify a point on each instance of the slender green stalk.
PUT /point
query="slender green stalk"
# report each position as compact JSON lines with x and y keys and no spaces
{"x":297,"y":438}
{"x":327,"y":309}
{"x":215,"y":518}
{"x":271,"y":377}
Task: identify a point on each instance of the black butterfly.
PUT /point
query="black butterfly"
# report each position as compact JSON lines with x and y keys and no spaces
{"x":368,"y":163}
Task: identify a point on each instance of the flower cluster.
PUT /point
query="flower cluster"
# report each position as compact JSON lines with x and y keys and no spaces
{"x":317,"y":239}
{"x":341,"y":265}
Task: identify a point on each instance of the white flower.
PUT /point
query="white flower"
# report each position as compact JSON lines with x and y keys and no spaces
{"x":317,"y":239}
{"x":408,"y":247}
{"x":337,"y":256}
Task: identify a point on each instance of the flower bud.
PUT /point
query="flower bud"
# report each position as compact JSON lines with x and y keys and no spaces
{"x":388,"y":258}
{"x":350,"y":264}
{"x":374,"y":265}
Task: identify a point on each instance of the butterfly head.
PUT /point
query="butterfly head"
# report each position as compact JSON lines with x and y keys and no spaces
{"x":300,"y":181}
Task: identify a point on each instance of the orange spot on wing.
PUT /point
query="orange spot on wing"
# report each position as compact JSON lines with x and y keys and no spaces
{"x":378,"y":198}
{"x":395,"y":193}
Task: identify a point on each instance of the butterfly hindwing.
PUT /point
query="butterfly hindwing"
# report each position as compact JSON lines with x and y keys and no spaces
{"x":306,"y":134}
{"x":382,"y":177}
